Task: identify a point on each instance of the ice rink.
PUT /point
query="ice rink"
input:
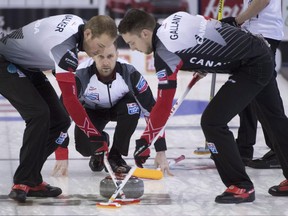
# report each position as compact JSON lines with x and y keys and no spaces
{"x":191,"y":191}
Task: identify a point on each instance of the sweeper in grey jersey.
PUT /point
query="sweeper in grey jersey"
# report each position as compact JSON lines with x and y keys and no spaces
{"x":49,"y":43}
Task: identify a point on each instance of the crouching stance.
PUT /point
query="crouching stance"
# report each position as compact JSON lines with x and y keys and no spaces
{"x":109,"y":90}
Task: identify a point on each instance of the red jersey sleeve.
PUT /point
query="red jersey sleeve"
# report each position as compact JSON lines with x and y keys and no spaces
{"x":161,"y":111}
{"x":67,"y":84}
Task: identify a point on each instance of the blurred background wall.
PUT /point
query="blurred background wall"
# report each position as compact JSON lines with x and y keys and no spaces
{"x":16,"y":13}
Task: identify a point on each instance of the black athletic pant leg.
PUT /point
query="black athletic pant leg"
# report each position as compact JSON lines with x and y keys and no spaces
{"x":126,"y":113}
{"x":274,"y":121}
{"x":123,"y":114}
{"x":23,"y":95}
{"x":247,"y":131}
{"x":59,"y":118}
{"x":248,"y":119}
{"x":99,"y":119}
{"x":241,"y":88}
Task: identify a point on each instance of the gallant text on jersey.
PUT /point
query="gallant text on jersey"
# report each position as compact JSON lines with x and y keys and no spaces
{"x":60,"y":27}
{"x":174,"y":27}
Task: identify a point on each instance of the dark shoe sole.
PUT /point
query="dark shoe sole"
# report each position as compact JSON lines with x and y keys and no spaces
{"x":94,"y":168}
{"x":259,"y":164}
{"x":45,"y":193}
{"x":268,"y":161}
{"x":275,"y":192}
{"x":18,"y":195}
{"x":234,"y":200}
{"x":122,"y":169}
{"x":119,"y":166}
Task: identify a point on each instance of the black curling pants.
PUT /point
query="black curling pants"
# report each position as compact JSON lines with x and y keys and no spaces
{"x":253,"y":82}
{"x":46,"y":121}
{"x":126,"y":123}
{"x":248,"y":119}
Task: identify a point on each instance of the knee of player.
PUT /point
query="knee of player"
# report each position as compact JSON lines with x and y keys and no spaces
{"x":40,"y":112}
{"x":61,"y":123}
{"x":134,"y":116}
{"x":83,"y":150}
{"x":65,"y":122}
{"x":206,"y":123}
{"x":211,"y":127}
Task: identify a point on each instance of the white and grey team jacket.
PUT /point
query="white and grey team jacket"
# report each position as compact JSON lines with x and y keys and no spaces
{"x":95,"y":94}
{"x":45,"y":44}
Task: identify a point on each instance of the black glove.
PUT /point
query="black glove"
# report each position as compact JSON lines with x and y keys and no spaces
{"x":99,"y":144}
{"x":98,"y":151}
{"x":142,"y":152}
{"x":231,"y":21}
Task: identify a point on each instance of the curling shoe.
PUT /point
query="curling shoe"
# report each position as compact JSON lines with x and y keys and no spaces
{"x":236,"y":195}
{"x":44,"y":190}
{"x":19,"y":192}
{"x":96,"y":163}
{"x":268,"y":161}
{"x":119,"y":165}
{"x":279,"y":190}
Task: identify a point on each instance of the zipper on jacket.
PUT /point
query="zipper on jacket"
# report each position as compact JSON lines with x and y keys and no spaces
{"x":109,"y":95}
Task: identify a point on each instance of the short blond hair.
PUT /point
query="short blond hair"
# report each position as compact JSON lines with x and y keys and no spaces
{"x":102,"y":24}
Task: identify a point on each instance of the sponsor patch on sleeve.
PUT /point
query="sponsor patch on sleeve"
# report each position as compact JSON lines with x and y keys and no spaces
{"x":61,"y":138}
{"x":142,"y":85}
{"x":133,"y":108}
{"x":212,"y":148}
{"x":162,"y":76}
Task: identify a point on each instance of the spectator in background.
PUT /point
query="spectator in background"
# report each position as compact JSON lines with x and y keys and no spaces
{"x":262,"y":17}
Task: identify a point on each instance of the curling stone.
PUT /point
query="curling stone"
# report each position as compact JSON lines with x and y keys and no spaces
{"x":134,"y":188}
